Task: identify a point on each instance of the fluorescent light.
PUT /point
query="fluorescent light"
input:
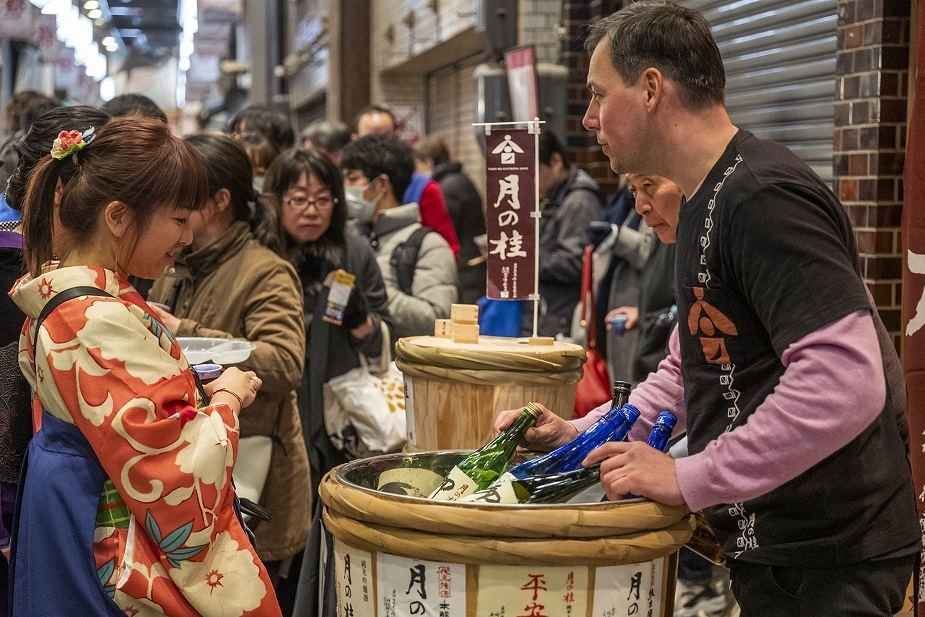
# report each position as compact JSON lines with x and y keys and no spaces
{"x":91,"y":4}
{"x":108,"y":41}
{"x":95,"y":14}
{"x":107,"y":89}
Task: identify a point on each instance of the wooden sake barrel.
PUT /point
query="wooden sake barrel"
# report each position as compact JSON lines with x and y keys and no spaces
{"x":453,"y":391}
{"x":400,"y":555}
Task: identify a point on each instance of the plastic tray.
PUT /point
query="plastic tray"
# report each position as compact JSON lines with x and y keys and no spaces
{"x":218,"y":350}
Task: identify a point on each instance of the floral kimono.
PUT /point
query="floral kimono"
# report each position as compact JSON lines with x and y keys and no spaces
{"x":126,"y":506}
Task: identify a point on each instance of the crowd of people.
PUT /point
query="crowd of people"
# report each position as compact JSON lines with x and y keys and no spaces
{"x":119,"y":238}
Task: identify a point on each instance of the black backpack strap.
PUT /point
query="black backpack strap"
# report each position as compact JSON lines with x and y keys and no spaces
{"x":59,"y":299}
{"x":405,"y":257}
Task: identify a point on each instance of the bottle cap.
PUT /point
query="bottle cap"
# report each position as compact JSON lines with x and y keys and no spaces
{"x":631,"y":412}
{"x":622,"y":385}
{"x":533,"y":410}
{"x":666,"y":418}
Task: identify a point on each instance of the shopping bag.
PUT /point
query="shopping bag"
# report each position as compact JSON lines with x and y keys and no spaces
{"x":594,"y":387}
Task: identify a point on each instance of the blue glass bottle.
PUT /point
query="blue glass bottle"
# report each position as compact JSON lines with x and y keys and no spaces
{"x":613,"y":426}
{"x":661,"y":432}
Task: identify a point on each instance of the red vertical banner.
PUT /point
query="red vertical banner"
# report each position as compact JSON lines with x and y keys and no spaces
{"x":913,"y":301}
{"x":510,"y":197}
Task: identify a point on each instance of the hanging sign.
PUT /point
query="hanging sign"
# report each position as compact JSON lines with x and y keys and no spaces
{"x":510,"y":197}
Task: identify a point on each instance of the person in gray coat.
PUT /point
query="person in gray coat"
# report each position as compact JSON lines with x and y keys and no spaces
{"x":418,"y":267}
{"x":570,"y":199}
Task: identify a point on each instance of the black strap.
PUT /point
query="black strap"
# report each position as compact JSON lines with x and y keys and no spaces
{"x":60,"y":298}
{"x":404,"y":258}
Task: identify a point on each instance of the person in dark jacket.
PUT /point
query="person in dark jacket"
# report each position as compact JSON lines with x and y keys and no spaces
{"x":570,"y":199}
{"x":464,"y":204}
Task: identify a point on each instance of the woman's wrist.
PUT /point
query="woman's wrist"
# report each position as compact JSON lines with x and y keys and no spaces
{"x":230,"y":393}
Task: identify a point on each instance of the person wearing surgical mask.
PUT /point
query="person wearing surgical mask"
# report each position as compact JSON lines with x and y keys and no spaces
{"x":318,"y":241}
{"x":417,"y":264}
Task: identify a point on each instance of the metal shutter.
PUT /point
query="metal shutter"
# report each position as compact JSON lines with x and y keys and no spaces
{"x":780,"y":70}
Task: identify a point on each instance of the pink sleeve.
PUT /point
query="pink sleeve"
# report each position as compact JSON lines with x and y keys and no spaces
{"x":832,"y":389}
{"x":662,"y":390}
{"x":434,"y":215}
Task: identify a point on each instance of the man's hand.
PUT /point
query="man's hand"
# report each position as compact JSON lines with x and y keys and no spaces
{"x":636,"y":468}
{"x":632,"y":316}
{"x":549,"y":432}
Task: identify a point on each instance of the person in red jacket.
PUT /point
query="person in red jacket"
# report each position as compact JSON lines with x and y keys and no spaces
{"x":379,"y":120}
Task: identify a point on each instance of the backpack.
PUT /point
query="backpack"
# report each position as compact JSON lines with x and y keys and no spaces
{"x":404,"y":258}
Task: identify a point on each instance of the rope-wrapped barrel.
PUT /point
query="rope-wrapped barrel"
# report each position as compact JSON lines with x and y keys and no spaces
{"x":456,"y":389}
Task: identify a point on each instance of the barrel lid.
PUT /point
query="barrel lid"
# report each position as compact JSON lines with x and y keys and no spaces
{"x":491,"y":352}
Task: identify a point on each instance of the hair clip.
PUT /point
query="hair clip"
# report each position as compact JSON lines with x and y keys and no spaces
{"x":69,"y":142}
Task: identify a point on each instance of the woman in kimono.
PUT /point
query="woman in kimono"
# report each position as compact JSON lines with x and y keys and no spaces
{"x":127,"y":504}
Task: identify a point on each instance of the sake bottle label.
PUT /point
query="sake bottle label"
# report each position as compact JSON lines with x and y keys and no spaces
{"x":455,"y":485}
{"x":502,"y":491}
{"x":411,"y":481}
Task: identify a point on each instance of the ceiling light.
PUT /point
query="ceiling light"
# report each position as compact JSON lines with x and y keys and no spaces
{"x":95,"y":14}
{"x":108,"y":41}
{"x":91,"y":4}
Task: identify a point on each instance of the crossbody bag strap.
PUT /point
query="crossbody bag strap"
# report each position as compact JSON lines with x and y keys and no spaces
{"x":59,"y":299}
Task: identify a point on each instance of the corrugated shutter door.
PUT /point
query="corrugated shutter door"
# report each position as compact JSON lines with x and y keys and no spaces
{"x":780,"y":70}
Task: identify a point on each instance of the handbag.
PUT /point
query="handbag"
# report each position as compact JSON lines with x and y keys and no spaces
{"x":252,"y":466}
{"x":594,"y":386}
{"x":364,"y":413}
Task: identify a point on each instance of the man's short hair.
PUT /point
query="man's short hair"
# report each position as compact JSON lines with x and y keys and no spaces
{"x":374,"y":109}
{"x":329,"y":135}
{"x":434,"y":148}
{"x":550,"y":144}
{"x":132,"y":104}
{"x":378,"y":154}
{"x":673,"y":39}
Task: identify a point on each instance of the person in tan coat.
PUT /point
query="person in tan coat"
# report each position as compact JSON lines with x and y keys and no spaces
{"x":229,"y":284}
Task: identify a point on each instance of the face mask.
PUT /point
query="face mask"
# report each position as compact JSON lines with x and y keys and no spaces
{"x":358,"y":208}
{"x":258,"y":184}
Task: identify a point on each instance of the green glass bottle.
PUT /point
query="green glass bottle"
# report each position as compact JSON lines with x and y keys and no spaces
{"x":479,"y":469}
{"x":549,"y":488}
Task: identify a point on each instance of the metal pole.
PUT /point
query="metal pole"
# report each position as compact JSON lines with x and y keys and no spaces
{"x":536,"y":222}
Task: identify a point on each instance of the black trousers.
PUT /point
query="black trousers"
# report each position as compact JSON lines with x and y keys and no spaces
{"x":865,"y":589}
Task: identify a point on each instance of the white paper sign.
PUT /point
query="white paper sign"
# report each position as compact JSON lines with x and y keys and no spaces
{"x":634,"y":589}
{"x":353,"y":581}
{"x":414,"y":587}
{"x":560,"y":591}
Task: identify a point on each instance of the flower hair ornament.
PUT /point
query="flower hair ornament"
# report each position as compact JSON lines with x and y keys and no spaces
{"x":70,"y":142}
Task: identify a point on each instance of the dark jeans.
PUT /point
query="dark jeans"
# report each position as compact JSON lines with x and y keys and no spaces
{"x":868,"y":589}
{"x":692,"y":568}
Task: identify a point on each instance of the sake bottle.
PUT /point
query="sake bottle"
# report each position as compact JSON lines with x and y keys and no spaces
{"x":621,"y":394}
{"x":661,"y":433}
{"x":613,"y":426}
{"x":548,"y":488}
{"x":482,"y":467}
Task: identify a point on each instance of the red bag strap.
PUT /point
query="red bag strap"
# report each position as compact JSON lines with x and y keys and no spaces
{"x":587,"y":297}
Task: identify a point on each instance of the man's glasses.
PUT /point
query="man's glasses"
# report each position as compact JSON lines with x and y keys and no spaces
{"x":300,"y":203}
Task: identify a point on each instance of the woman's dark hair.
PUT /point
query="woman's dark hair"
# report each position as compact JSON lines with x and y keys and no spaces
{"x":24,"y":107}
{"x":228,"y":167}
{"x":36,"y":144}
{"x":285,"y":171}
{"x":136,"y":161}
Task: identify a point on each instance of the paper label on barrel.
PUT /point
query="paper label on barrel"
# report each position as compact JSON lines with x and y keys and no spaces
{"x":409,"y":587}
{"x":553,"y":591}
{"x":412,"y":481}
{"x":411,"y":429}
{"x":502,"y":491}
{"x":455,"y":485}
{"x":634,"y":589}
{"x":353,"y":581}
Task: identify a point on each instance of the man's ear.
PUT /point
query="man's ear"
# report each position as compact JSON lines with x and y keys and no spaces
{"x":386,"y":182}
{"x":118,"y":218}
{"x":654,"y":84}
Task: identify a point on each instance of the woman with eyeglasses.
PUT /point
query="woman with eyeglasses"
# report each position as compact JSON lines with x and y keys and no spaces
{"x":314,"y":216}
{"x":231,"y":282}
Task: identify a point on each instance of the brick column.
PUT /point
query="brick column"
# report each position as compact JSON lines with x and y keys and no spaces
{"x":870,"y":139}
{"x":582,"y":145}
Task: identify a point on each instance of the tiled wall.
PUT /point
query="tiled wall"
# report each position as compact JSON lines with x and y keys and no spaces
{"x":872,"y":70}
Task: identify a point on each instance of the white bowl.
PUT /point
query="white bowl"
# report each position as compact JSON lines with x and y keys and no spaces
{"x":219,"y":350}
